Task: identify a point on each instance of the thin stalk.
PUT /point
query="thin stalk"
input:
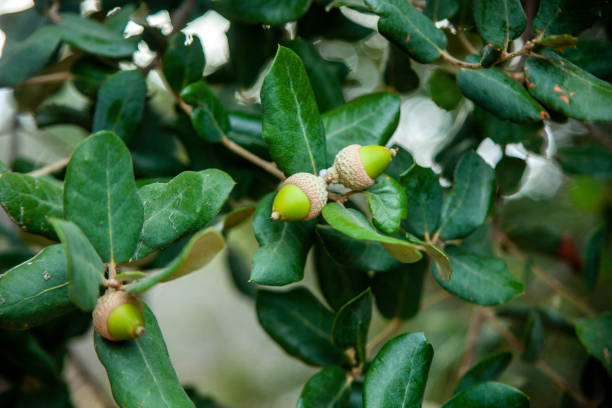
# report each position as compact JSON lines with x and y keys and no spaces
{"x":51,"y":168}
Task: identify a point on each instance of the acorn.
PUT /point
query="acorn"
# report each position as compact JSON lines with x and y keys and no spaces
{"x":118,"y":316}
{"x":356,"y":167}
{"x":300,"y":198}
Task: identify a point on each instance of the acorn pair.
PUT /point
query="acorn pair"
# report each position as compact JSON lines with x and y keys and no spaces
{"x":303,"y":195}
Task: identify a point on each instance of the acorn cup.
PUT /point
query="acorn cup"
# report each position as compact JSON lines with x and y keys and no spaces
{"x":119,"y":316}
{"x":356,"y":167}
{"x":300,"y":198}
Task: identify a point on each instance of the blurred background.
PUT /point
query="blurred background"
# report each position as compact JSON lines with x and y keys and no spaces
{"x":211,"y":329}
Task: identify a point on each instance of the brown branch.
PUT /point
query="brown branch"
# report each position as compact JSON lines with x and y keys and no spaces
{"x":180,"y":15}
{"x":457,"y":62}
{"x":258,"y":161}
{"x":47,"y":78}
{"x":598,"y":136}
{"x":470,"y":343}
{"x":384,"y":335}
{"x":51,"y":168}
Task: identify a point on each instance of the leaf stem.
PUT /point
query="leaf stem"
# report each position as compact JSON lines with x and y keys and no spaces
{"x":457,"y":62}
{"x":51,"y":168}
{"x":47,"y":78}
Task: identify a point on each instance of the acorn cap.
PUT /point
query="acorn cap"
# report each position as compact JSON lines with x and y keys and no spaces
{"x":118,"y":316}
{"x":348,"y":169}
{"x":313,"y":187}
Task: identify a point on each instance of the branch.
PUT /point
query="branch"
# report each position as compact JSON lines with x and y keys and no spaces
{"x":596,"y":135}
{"x":47,"y":78}
{"x":180,"y":16}
{"x":457,"y":62}
{"x":270,"y":167}
{"x":384,"y":335}
{"x":465,"y":42}
{"x":51,"y":168}
{"x":470,"y":343}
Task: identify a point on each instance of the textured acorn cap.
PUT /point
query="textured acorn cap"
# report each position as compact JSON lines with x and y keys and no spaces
{"x":315,"y":189}
{"x":348,"y":169}
{"x":106,"y":305}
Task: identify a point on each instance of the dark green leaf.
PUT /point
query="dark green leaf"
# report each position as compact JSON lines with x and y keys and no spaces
{"x":401,"y":163}
{"x":209,"y":118}
{"x":367,"y":120}
{"x":497,"y":93}
{"x":199,"y":251}
{"x":350,"y":329}
{"x":466,"y":207}
{"x":328,"y":388}
{"x":558,"y":42}
{"x":479,"y":241}
{"x":489,"y":395}
{"x":140,"y":370}
{"x":398,"y":291}
{"x":567,"y":88}
{"x":509,"y":173}
{"x":592,"y":160}
{"x":21,"y":60}
{"x":85,"y":270}
{"x":216,"y":188}
{"x":119,"y":19}
{"x":490,"y":55}
{"x":283,"y":247}
{"x":398,"y":374}
{"x":100,"y":196}
{"x":388,"y":204}
{"x":272,"y":12}
{"x":565,"y":16}
{"x":499,"y":21}
{"x":424,"y":192}
{"x":356,"y":225}
{"x":594,"y":56}
{"x":240,"y":271}
{"x":353,"y":253}
{"x":35,"y":291}
{"x":505,"y":132}
{"x":487,"y":369}
{"x":478,"y":279}
{"x":325,"y":76}
{"x":183,"y":63}
{"x":299,"y":324}
{"x":595,"y":333}
{"x":410,"y":30}
{"x":331,"y":24}
{"x":120,"y":104}
{"x":30,"y":201}
{"x":398,"y":72}
{"x":533,"y":337}
{"x":89,"y":75}
{"x":292,"y":126}
{"x":443,"y":89}
{"x":440,"y":9}
{"x":95,"y":38}
{"x":49,"y":115}
{"x":435,"y":254}
{"x":593,"y":254}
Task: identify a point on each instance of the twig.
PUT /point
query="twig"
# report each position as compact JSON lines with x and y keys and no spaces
{"x":470,"y":343}
{"x":434,"y":299}
{"x":598,"y":136}
{"x":47,"y":78}
{"x":51,"y":168}
{"x":384,"y":335}
{"x":543,"y":367}
{"x":180,"y":15}
{"x":258,"y":161}
{"x":457,"y":62}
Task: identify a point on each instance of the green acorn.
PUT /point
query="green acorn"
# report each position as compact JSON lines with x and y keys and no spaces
{"x":118,"y":316}
{"x":356,"y":167}
{"x":300,"y":198}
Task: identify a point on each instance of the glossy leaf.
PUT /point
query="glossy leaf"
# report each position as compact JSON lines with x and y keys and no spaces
{"x":338,"y":283}
{"x":22,"y":59}
{"x":120,"y":104}
{"x":505,"y":132}
{"x":350,"y":329}
{"x":594,"y":56}
{"x":209,"y":118}
{"x":283,"y":247}
{"x":35,"y":291}
{"x":299,"y":324}
{"x":424,"y":193}
{"x":595,"y":334}
{"x":466,"y":207}
{"x":95,"y":38}
{"x":587,"y":159}
{"x":398,"y":72}
{"x":565,"y":16}
{"x":500,"y":95}
{"x":499,"y":21}
{"x":401,"y":163}
{"x":367,"y":120}
{"x":593,"y":255}
{"x":487,"y":369}
{"x":272,"y":12}
{"x":183,"y":63}
{"x":533,"y":337}
{"x":30,"y":202}
{"x":292,"y":126}
{"x":567,"y":88}
{"x":398,"y":291}
{"x":443,"y":89}
{"x":440,"y":9}
{"x":409,"y":29}
{"x":489,"y":395}
{"x":216,"y":188}
{"x":329,"y":388}
{"x":140,"y":369}
{"x":353,"y":253}
{"x":398,"y":373}
{"x":388,"y":204}
{"x":84,"y":268}
{"x":326,"y":77}
{"x":435,"y":254}
{"x":356,"y":225}
{"x":201,"y":249}
{"x":100,"y":196}
{"x":478,"y":279}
